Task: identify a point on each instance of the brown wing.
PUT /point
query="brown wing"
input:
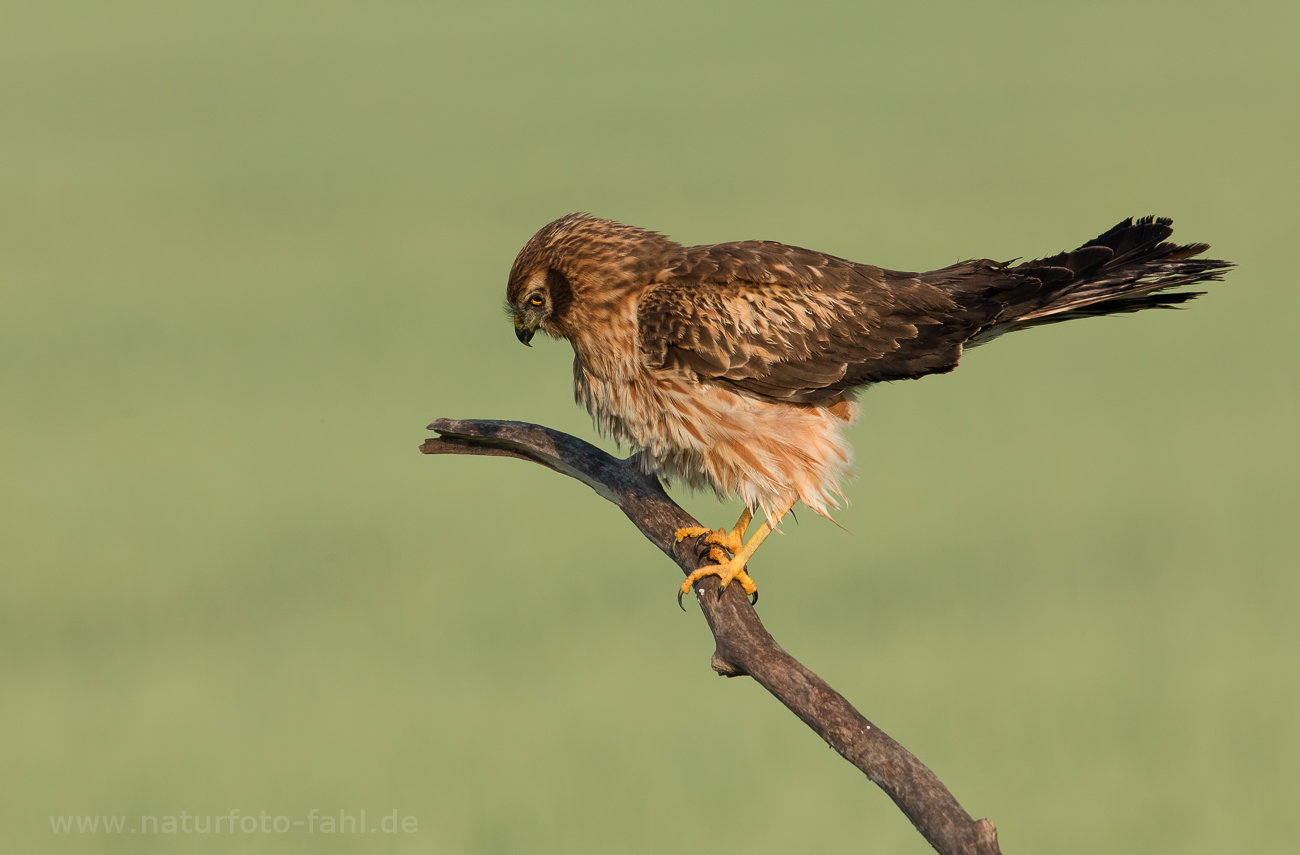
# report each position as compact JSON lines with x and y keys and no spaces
{"x":790,"y":324}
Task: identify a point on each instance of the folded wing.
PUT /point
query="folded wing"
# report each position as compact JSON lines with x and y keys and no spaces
{"x":789,"y":324}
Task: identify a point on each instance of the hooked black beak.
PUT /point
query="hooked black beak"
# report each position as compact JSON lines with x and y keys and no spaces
{"x":523,"y":332}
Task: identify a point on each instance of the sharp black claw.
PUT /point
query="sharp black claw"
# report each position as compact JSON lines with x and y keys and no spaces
{"x":754,"y":600}
{"x":680,"y":594}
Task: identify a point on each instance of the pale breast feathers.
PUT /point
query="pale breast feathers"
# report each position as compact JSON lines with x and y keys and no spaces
{"x":789,"y":324}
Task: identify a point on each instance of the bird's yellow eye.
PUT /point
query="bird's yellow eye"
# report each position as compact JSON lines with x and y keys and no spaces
{"x":535,"y":300}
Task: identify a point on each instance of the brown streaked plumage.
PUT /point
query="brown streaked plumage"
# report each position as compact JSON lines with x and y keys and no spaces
{"x":735,"y":366}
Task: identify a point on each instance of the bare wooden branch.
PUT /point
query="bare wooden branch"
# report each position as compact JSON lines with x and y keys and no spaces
{"x":743,"y":645}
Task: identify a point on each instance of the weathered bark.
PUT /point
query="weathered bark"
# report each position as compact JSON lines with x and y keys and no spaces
{"x":743,"y":645}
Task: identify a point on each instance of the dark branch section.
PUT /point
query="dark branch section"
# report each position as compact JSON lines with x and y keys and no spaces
{"x":744,"y":646}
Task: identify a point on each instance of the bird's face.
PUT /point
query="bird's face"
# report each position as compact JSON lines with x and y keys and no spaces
{"x":532,"y":304}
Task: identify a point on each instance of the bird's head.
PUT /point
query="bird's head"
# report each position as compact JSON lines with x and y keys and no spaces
{"x":578,"y":255}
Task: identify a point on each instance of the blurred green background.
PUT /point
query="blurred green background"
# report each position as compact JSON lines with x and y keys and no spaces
{"x":249,"y":249}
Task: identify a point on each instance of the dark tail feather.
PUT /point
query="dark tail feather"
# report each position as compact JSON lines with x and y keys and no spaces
{"x":1123,"y":270}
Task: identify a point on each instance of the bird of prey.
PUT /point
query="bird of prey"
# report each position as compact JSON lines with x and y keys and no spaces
{"x":736,"y":366}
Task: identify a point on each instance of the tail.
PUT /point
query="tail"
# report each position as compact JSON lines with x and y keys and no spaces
{"x":1127,"y":269}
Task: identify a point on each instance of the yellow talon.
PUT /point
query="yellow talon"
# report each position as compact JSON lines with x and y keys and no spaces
{"x":728,"y":540}
{"x":693,"y":531}
{"x":733,"y":568}
{"x":727,"y":571}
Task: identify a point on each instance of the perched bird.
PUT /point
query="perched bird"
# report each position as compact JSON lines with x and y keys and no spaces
{"x":736,"y":366}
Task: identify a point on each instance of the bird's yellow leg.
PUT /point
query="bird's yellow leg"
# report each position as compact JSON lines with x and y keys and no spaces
{"x":727,"y":571}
